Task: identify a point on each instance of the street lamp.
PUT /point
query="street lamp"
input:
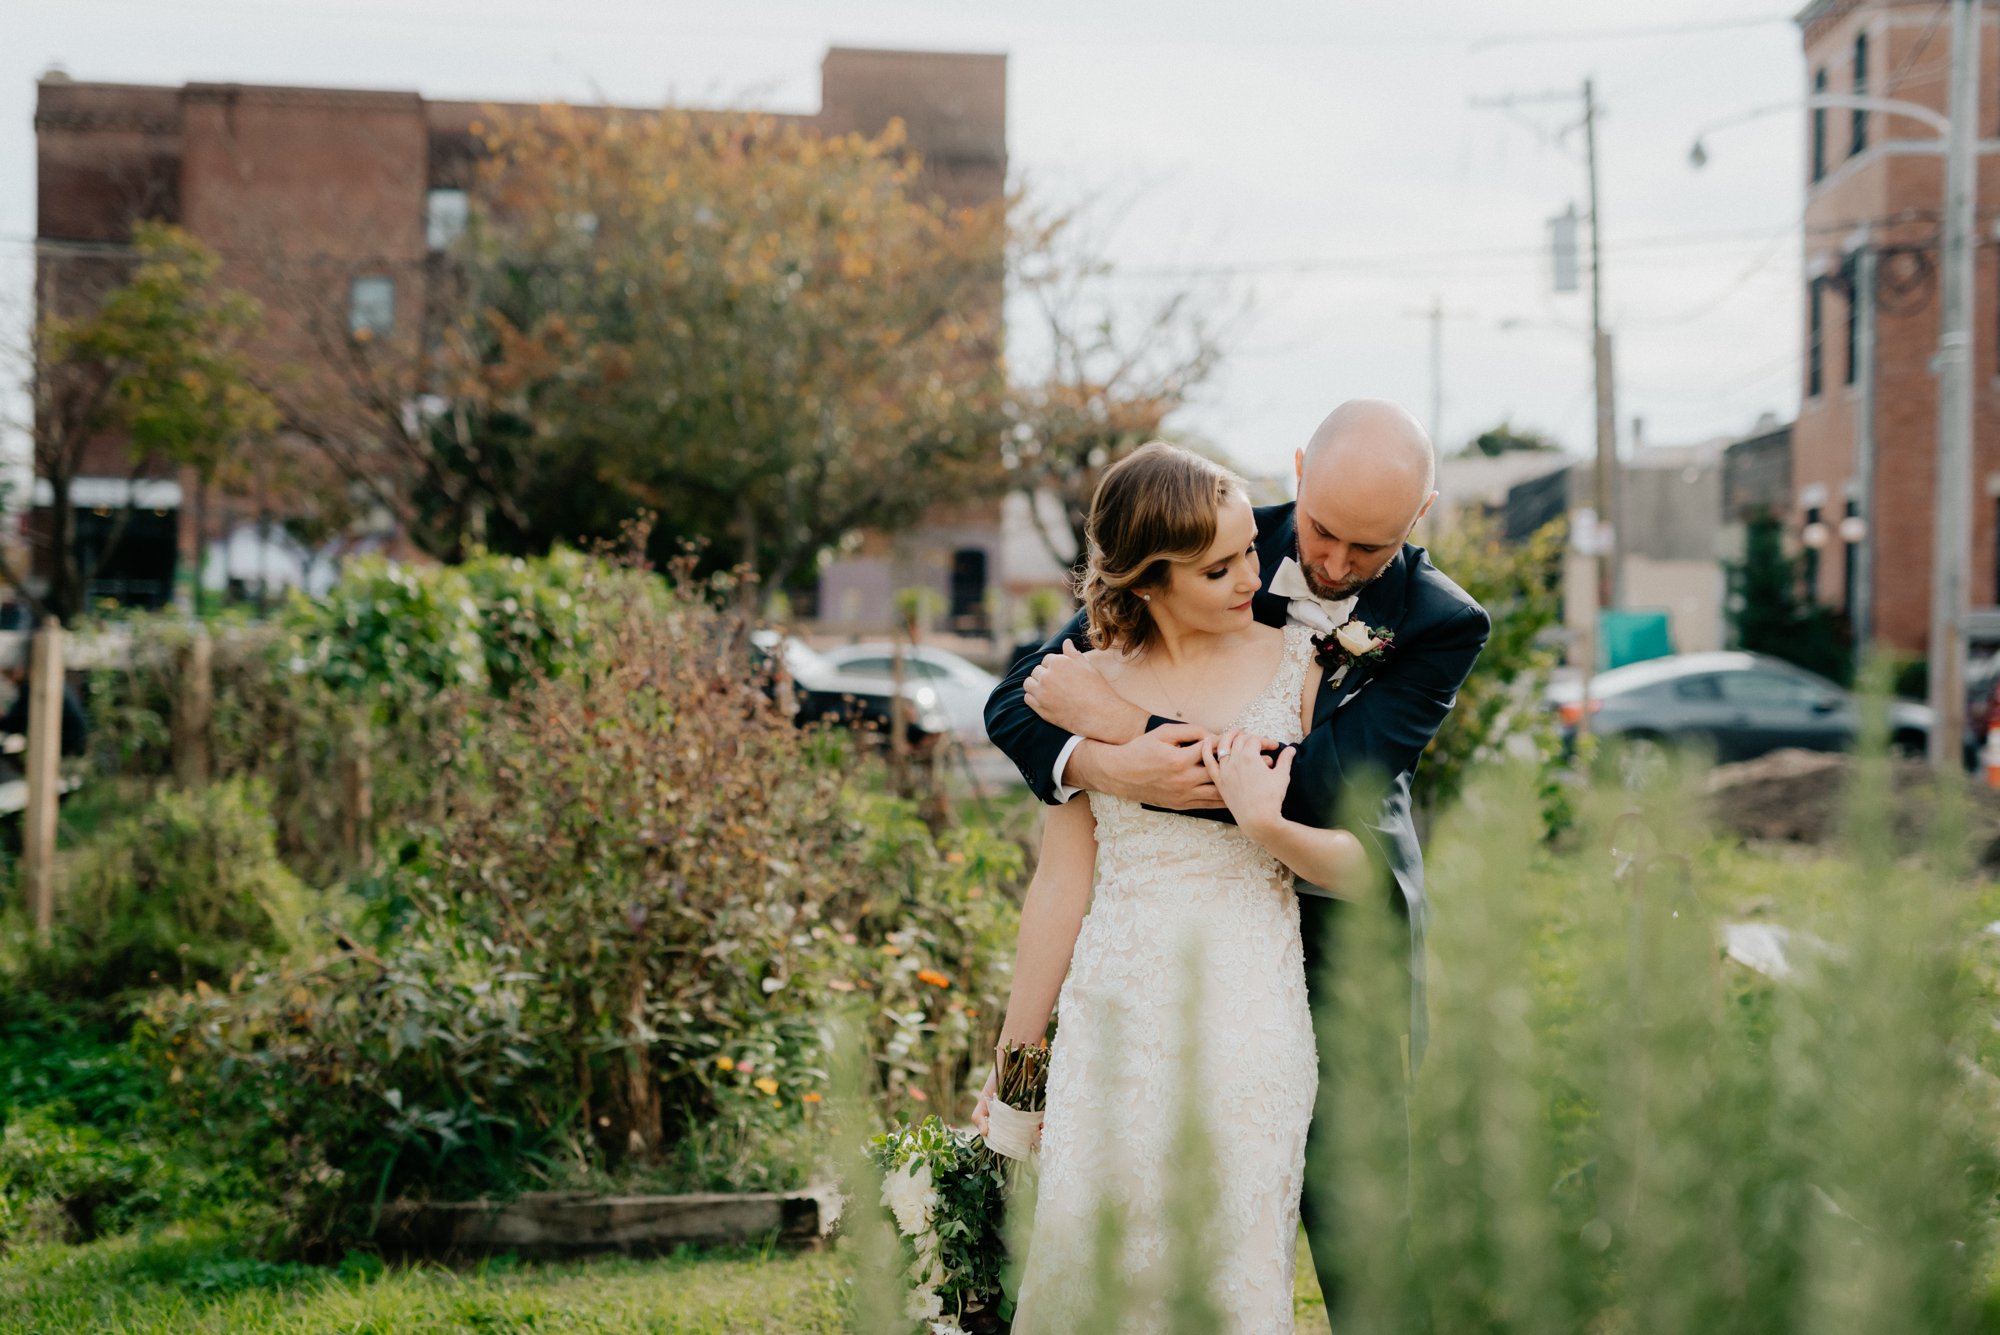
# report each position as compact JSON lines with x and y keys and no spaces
{"x":1951,"y":556}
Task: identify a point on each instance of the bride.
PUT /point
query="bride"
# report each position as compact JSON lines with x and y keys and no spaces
{"x":1170,"y":945}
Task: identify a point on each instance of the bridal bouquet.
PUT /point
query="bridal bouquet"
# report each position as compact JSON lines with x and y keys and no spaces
{"x":947,"y":1189}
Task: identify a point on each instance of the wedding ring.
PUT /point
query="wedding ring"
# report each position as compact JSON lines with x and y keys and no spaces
{"x":1222,"y":753}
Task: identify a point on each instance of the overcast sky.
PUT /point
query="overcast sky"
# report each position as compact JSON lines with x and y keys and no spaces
{"x":1322,"y":161}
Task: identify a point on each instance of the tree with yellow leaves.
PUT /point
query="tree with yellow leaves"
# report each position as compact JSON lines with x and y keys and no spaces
{"x":769,"y":338}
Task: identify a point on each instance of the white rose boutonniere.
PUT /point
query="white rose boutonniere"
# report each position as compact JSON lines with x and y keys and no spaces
{"x":1350,"y":643}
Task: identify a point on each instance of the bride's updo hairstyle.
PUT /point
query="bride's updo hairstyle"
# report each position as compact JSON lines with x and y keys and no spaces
{"x":1157,"y":505}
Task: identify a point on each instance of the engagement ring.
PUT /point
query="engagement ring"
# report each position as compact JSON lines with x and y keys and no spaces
{"x":1222,"y":753}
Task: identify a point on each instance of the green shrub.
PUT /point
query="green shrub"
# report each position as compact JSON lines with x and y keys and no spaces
{"x":388,"y":633}
{"x":611,"y":951}
{"x":70,"y":1056}
{"x":74,"y":1182}
{"x":189,"y":887}
{"x":1499,"y":713}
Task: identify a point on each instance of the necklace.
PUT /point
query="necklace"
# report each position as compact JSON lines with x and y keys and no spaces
{"x":1158,"y":681}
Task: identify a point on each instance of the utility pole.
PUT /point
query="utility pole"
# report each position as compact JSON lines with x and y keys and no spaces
{"x":1607,"y":534}
{"x":1862,"y":272}
{"x":1603,"y":536}
{"x":1951,"y":549}
{"x":1610,"y":572}
{"x":1437,"y":315}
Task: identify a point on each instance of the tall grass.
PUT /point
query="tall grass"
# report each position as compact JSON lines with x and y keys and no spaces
{"x":1618,"y":1128}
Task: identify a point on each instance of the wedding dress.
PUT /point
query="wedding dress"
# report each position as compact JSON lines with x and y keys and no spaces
{"x":1191,"y":946}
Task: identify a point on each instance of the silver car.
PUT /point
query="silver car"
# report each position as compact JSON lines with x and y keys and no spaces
{"x":1733,"y":705}
{"x":961,"y":686}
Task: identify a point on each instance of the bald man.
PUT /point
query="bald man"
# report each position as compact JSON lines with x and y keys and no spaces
{"x":1341,"y":552}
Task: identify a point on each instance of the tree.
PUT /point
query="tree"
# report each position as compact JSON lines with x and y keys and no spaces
{"x":1769,"y":613}
{"x":1500,"y":709}
{"x":1504,"y":439}
{"x":158,"y":361}
{"x":767,"y":338}
{"x":1110,"y":374}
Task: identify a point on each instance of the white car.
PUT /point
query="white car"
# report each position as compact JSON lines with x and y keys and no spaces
{"x":962,"y":686}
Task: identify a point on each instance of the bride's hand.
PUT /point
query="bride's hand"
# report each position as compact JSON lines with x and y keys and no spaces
{"x":1252,"y":785}
{"x":980,"y":1116}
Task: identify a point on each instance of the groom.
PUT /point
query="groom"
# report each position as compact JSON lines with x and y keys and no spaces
{"x":1339,"y":554}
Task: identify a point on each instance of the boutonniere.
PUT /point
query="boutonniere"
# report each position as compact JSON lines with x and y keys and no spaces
{"x":1353,"y":642}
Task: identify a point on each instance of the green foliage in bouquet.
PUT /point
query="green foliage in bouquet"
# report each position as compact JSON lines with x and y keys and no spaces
{"x":946,"y":1193}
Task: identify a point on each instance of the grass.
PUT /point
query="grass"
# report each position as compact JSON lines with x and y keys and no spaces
{"x":188,"y":1279}
{"x":191,"y":1279}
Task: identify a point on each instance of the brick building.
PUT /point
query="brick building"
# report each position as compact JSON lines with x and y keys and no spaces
{"x":343,"y":200}
{"x":1866,"y":187}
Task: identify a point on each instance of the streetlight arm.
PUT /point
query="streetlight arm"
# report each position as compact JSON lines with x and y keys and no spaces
{"x":1939,"y":125}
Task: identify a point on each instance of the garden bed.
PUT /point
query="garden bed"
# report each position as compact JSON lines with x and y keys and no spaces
{"x":564,"y":1225}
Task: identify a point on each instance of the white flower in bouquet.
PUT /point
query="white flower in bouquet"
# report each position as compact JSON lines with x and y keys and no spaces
{"x":908,"y":1194}
{"x":946,"y":1328}
{"x":924,"y":1305}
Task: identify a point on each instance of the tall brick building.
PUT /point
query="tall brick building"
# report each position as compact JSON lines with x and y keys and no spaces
{"x":1866,"y":187}
{"x":345,"y":199}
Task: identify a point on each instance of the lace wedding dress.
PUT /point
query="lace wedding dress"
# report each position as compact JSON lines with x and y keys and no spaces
{"x":1187,"y":982}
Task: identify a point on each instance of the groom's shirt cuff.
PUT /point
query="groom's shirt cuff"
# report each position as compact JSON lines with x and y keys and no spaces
{"x":1064,"y":794}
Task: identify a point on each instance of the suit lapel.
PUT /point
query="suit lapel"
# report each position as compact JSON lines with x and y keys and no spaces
{"x":1275,"y":542}
{"x":1380,"y":605}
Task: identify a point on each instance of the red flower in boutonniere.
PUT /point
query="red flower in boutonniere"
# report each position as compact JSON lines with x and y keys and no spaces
{"x":1351,"y":643}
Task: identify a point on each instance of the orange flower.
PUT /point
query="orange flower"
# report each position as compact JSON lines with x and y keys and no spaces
{"x":933,"y":977}
{"x":811,"y":1096}
{"x":724,"y":1064}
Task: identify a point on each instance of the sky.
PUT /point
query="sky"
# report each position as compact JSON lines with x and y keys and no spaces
{"x":1321,"y":173}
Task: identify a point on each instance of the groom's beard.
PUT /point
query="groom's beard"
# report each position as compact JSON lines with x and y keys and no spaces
{"x":1330,"y":590}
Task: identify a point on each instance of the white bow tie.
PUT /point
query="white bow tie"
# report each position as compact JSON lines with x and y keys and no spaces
{"x":1307,"y":608}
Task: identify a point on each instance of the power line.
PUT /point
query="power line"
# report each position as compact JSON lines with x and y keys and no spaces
{"x":1490,"y":42}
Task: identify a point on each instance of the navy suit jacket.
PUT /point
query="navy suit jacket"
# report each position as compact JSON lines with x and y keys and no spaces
{"x":1378,"y":719}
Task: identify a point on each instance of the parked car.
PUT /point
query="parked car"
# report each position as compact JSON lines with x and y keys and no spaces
{"x":1735,"y":706}
{"x":1982,"y":702}
{"x":820,"y":692}
{"x":961,"y":685}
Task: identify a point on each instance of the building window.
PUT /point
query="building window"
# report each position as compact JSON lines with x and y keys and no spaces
{"x":1860,"y":142}
{"x":968,"y":589}
{"x":1819,"y":131}
{"x":1813,"y":538}
{"x":445,"y":213}
{"x":1851,"y":553}
{"x":1816,"y":338}
{"x":371,"y":306}
{"x":1853,"y":322}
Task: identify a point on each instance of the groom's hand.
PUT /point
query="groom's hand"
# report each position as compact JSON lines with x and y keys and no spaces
{"x":1068,"y":692}
{"x":1161,"y":768}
